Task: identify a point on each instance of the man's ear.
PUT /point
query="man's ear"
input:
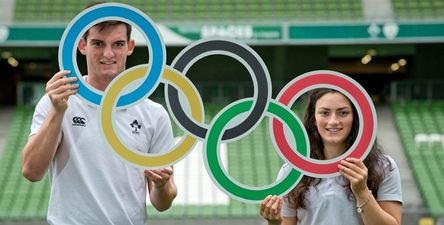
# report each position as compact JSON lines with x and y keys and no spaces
{"x":81,"y":46}
{"x":131,"y":45}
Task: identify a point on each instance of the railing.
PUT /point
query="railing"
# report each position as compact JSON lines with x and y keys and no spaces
{"x":417,"y":89}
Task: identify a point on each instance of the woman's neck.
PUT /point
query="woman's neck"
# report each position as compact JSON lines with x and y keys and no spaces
{"x":333,"y":151}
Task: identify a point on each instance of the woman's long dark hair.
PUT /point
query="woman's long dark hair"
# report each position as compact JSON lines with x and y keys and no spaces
{"x":373,"y":161}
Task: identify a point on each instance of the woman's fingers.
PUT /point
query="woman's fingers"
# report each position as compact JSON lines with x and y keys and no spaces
{"x":271,"y":208}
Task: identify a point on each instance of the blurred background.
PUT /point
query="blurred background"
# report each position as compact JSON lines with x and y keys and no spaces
{"x":393,"y":48}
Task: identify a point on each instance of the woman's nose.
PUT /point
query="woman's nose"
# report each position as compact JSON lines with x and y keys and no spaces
{"x":333,"y":120}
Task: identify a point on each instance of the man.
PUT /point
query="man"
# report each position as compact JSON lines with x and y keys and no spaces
{"x":89,"y":183}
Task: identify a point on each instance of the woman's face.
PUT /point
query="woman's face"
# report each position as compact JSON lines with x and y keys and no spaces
{"x":334,"y":118}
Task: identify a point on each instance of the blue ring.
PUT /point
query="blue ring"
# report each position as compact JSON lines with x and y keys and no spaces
{"x":68,"y":46}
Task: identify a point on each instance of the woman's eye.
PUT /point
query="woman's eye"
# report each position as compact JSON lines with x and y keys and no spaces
{"x":344,"y":113}
{"x":323,"y":113}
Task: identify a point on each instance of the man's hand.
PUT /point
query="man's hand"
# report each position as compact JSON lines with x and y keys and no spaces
{"x":161,"y":187}
{"x":159,"y":177}
{"x":59,"y":89}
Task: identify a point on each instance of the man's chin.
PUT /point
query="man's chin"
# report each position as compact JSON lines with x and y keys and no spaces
{"x":111,"y":74}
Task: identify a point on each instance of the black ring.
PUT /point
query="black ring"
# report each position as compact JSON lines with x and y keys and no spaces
{"x":260,"y":72}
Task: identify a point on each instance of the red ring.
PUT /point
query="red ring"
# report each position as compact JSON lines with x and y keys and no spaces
{"x":327,"y":78}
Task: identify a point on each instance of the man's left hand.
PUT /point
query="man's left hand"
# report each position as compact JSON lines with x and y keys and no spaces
{"x":159,"y":177}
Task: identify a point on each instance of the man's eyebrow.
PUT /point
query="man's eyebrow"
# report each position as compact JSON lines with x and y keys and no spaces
{"x":96,"y":40}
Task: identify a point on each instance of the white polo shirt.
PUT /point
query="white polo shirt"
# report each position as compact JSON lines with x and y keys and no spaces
{"x":90,"y":184}
{"x":328,"y":202}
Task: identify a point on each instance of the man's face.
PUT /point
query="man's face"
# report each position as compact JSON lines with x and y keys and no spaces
{"x":106,"y":51}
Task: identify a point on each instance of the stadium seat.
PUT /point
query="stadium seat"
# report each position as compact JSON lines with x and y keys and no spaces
{"x":61,"y":11}
{"x":252,"y":161}
{"x":418,"y":122}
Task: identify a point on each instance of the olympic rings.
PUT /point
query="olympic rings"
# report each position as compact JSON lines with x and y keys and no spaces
{"x":107,"y":123}
{"x":219,"y":175}
{"x":364,"y":107}
{"x":112,"y":11}
{"x":192,"y":123}
{"x":239,"y":51}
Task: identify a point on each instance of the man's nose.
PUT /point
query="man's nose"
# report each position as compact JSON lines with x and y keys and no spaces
{"x":108,"y":52}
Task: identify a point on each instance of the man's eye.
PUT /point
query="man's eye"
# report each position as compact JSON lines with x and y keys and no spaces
{"x":96,"y":44}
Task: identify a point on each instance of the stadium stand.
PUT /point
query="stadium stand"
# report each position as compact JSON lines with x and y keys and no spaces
{"x":251,"y":162}
{"x":59,"y":11}
{"x":62,"y":11}
{"x":421,"y":128}
{"x":418,"y":10}
{"x":390,"y":141}
{"x":19,"y":198}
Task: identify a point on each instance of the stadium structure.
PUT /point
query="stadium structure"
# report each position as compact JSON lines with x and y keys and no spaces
{"x":393,"y":48}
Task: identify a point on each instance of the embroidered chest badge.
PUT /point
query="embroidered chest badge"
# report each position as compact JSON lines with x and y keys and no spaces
{"x":136,"y":127}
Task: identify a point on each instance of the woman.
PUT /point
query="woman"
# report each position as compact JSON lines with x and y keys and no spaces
{"x":367,"y":192}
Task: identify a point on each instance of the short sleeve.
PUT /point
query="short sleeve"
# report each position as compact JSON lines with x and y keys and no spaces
{"x":40,"y":113}
{"x":286,"y":210}
{"x":163,"y":139}
{"x":390,"y":188}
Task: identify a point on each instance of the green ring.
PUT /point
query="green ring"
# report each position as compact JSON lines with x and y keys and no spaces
{"x":213,"y":163}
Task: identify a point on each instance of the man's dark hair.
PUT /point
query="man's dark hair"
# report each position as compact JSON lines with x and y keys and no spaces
{"x":109,"y":23}
{"x":105,"y":24}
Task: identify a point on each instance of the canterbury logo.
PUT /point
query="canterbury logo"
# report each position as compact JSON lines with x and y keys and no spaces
{"x":78,"y":121}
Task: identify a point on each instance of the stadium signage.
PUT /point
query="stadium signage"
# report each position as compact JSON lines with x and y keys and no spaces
{"x":245,"y":32}
{"x":232,"y":123}
{"x":184,"y":34}
{"x":231,"y":31}
{"x":367,"y":33}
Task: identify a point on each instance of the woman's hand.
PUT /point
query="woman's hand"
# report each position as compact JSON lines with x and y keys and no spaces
{"x":356,"y":172}
{"x":271,"y":209}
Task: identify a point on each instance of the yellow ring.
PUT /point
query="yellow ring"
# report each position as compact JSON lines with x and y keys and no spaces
{"x":151,"y":161}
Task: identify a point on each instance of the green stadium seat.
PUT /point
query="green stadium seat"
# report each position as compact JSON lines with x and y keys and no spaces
{"x":425,"y":148}
{"x":62,"y":11}
{"x":427,"y":10}
{"x":251,"y":161}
